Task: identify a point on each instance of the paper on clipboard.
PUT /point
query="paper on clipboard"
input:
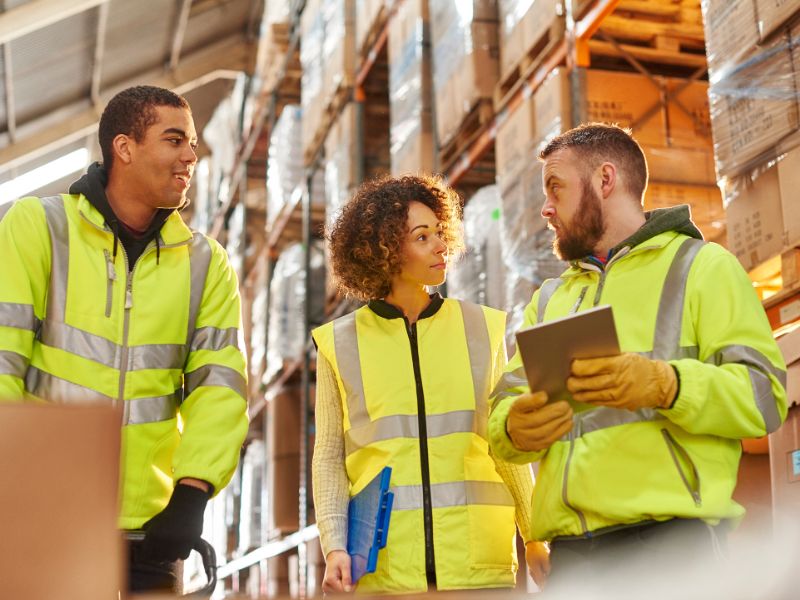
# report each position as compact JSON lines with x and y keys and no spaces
{"x":547,"y":349}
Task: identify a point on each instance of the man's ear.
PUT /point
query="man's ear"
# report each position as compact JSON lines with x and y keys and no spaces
{"x":608,"y":179}
{"x":123,"y":148}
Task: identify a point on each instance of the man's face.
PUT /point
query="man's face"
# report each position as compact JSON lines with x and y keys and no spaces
{"x":163,"y":162}
{"x":572,"y":206}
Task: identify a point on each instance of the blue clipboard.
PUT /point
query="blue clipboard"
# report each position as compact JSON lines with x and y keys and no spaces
{"x":368,"y":524}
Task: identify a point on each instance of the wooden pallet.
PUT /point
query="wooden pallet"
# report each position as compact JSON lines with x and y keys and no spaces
{"x":343,"y":95}
{"x":470,"y":128}
{"x":534,"y":56}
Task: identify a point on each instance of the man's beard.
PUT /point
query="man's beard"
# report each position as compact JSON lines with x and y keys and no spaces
{"x":580,"y":238}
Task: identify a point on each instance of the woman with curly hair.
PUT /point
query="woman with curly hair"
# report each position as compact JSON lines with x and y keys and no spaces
{"x":404,"y":382}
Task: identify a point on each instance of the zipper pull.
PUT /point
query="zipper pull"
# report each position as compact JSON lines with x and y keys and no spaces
{"x":110,"y":272}
{"x":128,"y":296}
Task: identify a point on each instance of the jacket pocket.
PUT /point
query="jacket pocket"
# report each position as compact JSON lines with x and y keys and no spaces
{"x":683,"y":462}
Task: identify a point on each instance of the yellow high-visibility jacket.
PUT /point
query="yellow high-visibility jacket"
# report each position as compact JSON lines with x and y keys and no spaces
{"x":163,"y":340}
{"x":678,"y":299}
{"x":416,"y":399}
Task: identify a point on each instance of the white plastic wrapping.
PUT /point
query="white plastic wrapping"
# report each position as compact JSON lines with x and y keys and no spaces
{"x":286,"y":336}
{"x":478,"y":275}
{"x":251,"y":522}
{"x":285,"y":161}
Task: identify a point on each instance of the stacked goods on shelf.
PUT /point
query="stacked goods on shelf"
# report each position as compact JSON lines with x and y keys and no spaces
{"x":286,"y":336}
{"x":252,"y":521}
{"x":371,"y":16}
{"x":465,"y":67}
{"x":256,"y":362}
{"x":411,"y":134}
{"x":528,"y":30}
{"x":283,"y":460}
{"x":285,"y":161}
{"x":341,"y":168}
{"x":273,"y":42}
{"x":477,"y":276}
{"x":755,"y":116}
{"x":327,"y":56}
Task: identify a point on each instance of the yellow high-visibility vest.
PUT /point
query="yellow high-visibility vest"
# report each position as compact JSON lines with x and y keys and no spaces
{"x":416,"y":399}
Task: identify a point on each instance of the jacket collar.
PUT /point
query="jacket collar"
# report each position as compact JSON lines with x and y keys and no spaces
{"x":389,"y":311}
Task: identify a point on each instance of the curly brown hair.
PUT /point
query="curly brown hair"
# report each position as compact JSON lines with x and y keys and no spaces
{"x":366,"y":240}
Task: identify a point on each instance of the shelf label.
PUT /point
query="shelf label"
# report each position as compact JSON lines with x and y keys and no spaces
{"x":790,"y":312}
{"x":796,"y":463}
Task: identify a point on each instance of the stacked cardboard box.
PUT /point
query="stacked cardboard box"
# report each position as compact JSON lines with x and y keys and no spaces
{"x":526,"y":27}
{"x":465,"y":61}
{"x":755,"y":115}
{"x":370,"y":16}
{"x":411,"y":133}
{"x":283,"y":460}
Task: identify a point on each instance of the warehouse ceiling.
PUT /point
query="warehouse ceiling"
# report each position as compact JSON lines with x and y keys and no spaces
{"x":62,"y":60}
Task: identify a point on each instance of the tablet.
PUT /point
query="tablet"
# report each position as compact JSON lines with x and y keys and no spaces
{"x":547,"y":349}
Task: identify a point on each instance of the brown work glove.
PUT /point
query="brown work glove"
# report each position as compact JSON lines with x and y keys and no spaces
{"x":532,"y":424}
{"x":627,"y":381}
{"x":537,"y":556}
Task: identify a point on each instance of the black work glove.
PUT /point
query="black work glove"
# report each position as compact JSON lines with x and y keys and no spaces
{"x":173,"y":532}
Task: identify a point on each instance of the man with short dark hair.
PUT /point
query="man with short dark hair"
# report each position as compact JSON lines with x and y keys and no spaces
{"x":637,"y":471}
{"x":106,"y":295}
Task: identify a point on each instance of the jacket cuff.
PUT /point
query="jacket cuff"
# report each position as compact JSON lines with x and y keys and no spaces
{"x":500,"y":442}
{"x":684,"y":405}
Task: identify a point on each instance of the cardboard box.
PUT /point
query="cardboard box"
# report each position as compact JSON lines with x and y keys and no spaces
{"x":790,"y":266}
{"x":516,"y":135}
{"x":789,"y":183}
{"x":338,"y":48}
{"x":693,"y":166}
{"x":283,"y":481}
{"x":705,"y":203}
{"x":367,"y":13}
{"x":542,"y":18}
{"x":774,"y":13}
{"x":784,"y":455}
{"x":731,"y":31}
{"x":753,"y":109}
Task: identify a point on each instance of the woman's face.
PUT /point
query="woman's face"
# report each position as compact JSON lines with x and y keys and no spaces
{"x":424,"y":252}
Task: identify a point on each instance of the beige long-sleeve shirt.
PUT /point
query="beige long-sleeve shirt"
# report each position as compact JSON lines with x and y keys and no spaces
{"x":329,"y":478}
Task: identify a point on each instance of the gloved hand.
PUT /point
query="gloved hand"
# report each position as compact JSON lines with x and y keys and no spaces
{"x":627,"y":381}
{"x":171,"y":534}
{"x":532,"y":424}
{"x":537,"y":555}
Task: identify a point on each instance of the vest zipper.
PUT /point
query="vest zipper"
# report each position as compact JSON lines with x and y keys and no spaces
{"x":111,"y":276}
{"x":123,"y":364}
{"x":427,"y":507}
{"x":673,"y":446}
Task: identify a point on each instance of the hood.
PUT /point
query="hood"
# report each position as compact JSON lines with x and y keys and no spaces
{"x":661,"y":220}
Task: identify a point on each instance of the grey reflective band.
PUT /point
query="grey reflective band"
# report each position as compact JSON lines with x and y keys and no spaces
{"x":407,"y":426}
{"x":13,"y":364}
{"x":669,"y":320}
{"x":546,"y":292}
{"x":456,"y":493}
{"x":18,"y":316}
{"x":54,"y":389}
{"x":156,"y":356}
{"x":199,"y":261}
{"x":683,"y":352}
{"x":603,"y":417}
{"x":213,"y":338}
{"x":348,"y":361}
{"x":58,"y":334}
{"x":150,"y":410}
{"x":479,"y":346}
{"x":59,"y":257}
{"x":215,"y":376}
{"x":758,"y":368}
{"x":508,"y":381}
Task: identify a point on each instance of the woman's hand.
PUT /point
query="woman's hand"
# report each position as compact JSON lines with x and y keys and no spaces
{"x":337,"y":572}
{"x":537,"y":555}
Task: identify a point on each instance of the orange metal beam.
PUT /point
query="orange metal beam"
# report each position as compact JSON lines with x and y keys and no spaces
{"x":587,"y":27}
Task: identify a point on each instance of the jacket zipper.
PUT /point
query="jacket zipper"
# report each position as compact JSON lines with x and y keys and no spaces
{"x":111,"y":276}
{"x":565,"y":497}
{"x":427,"y":507}
{"x":672,"y":447}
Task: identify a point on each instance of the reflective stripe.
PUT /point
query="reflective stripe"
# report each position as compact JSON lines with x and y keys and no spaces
{"x":456,"y":493}
{"x":213,"y":338}
{"x":59,"y":257}
{"x":407,"y":426}
{"x":479,"y":347}
{"x":199,"y":261}
{"x":508,"y":381}
{"x":603,"y":417}
{"x":758,"y":368}
{"x":666,"y":339}
{"x":215,"y":375}
{"x":54,"y":389}
{"x":546,"y":292}
{"x":150,"y":410}
{"x":12,"y":363}
{"x":156,"y":356}
{"x":18,"y":316}
{"x":345,"y":340}
{"x":58,"y":334}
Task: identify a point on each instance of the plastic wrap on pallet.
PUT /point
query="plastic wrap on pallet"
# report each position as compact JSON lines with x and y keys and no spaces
{"x":477,"y":275}
{"x":338,"y":55}
{"x":286,"y":337}
{"x":236,"y":243}
{"x":510,"y":12}
{"x":258,"y":333}
{"x":340,"y":167}
{"x":277,"y":11}
{"x":754,"y":108}
{"x":311,"y":42}
{"x":205,"y":203}
{"x":731,"y":31}
{"x":251,"y":522}
{"x":409,"y":89}
{"x":285,"y":160}
{"x":368,"y":12}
